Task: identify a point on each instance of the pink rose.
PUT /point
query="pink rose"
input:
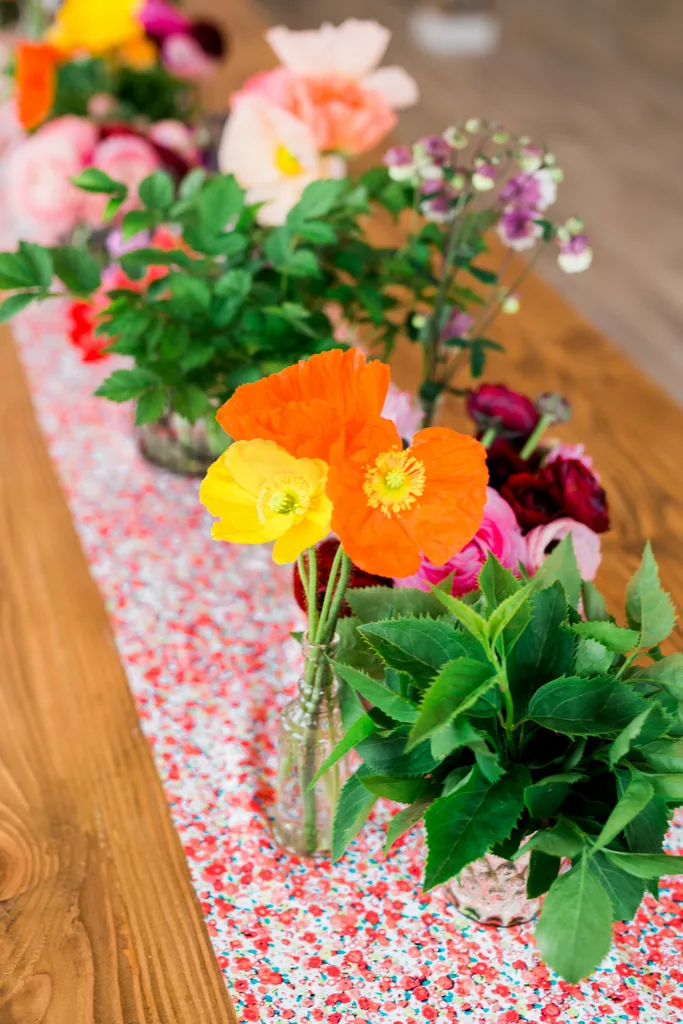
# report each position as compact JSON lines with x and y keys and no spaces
{"x":586,"y":545}
{"x":38,"y":197}
{"x":498,"y":533}
{"x":177,"y":137}
{"x":126,"y":158}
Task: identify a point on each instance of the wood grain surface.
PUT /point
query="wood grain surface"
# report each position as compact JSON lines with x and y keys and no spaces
{"x":98,"y":920}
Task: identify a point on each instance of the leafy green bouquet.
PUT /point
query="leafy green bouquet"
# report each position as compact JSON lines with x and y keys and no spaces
{"x":522,"y":720}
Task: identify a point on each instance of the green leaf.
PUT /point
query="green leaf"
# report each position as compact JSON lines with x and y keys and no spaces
{"x":14,"y":304}
{"x":458,"y":685}
{"x":405,"y":820}
{"x":544,"y":651}
{"x":465,"y":614}
{"x":418,"y":647}
{"x":190,"y":292}
{"x":561,"y":565}
{"x":462,"y":826}
{"x":301,"y":263}
{"x":667,"y":673}
{"x":614,"y":638}
{"x":558,"y":841}
{"x":594,"y":605}
{"x":670,"y":786}
{"x":198,"y":355}
{"x":355,"y":734}
{"x":40,"y":261}
{"x":574,"y":932}
{"x":545,"y":797}
{"x":122,"y":385}
{"x":16,"y":271}
{"x":403,"y":791}
{"x":495,"y":582}
{"x":192,"y":182}
{"x":663,"y":755}
{"x":649,"y":608}
{"x":386,"y":755}
{"x":645,"y":833}
{"x":374,"y":604}
{"x":622,"y":744}
{"x":585,"y":707}
{"x":92,"y":179}
{"x":77,"y":269}
{"x":112,"y":207}
{"x":190,"y":401}
{"x":135,"y":221}
{"x":220,"y":201}
{"x":318,"y":232}
{"x":317,"y":199}
{"x":392,"y":704}
{"x":646,"y":865}
{"x":625,"y":891}
{"x":156,"y":191}
{"x":543,"y":870}
{"x":151,"y":406}
{"x":517,"y":607}
{"x":635,"y":798}
{"x":353,"y":809}
{"x":591,"y":658}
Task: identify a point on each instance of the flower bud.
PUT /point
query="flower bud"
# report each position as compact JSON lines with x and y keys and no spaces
{"x":555,"y":405}
{"x":510,"y":304}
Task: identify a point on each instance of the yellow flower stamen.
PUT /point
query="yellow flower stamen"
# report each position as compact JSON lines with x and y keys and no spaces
{"x":394,"y":482}
{"x":286,"y":161}
{"x":284,"y":495}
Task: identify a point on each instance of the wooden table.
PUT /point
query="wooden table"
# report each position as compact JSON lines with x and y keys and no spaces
{"x":98,"y":918}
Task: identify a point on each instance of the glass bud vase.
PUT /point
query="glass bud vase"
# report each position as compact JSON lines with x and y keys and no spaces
{"x":180,"y":446}
{"x":310,"y":728}
{"x":492,"y":892}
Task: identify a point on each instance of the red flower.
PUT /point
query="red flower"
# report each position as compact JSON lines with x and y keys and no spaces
{"x":503,"y":459}
{"x":325,"y":552}
{"x":494,"y":405}
{"x":534,"y":497}
{"x":583,"y":498}
{"x":82,"y":321}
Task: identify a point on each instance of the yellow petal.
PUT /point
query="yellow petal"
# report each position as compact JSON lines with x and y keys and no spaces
{"x":254,"y":463}
{"x":288,"y":547}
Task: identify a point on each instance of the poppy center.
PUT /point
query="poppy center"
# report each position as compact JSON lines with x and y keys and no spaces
{"x":286,"y":162}
{"x":285,"y":495}
{"x":394,"y":481}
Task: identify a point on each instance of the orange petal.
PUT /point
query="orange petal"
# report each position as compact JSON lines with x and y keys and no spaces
{"x":36,"y":81}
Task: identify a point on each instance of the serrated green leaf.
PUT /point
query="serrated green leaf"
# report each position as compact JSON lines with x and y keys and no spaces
{"x":561,"y":565}
{"x":465,"y":614}
{"x":386,"y":755}
{"x":614,"y":638}
{"x":77,"y":269}
{"x":317,"y":199}
{"x":669,"y":785}
{"x":594,"y":604}
{"x":543,"y":870}
{"x":544,"y":650}
{"x":392,"y":704}
{"x":14,"y":304}
{"x":190,"y":293}
{"x":591,"y":658}
{"x":418,"y":647}
{"x":16,"y":271}
{"x":122,"y":385}
{"x":663,"y":755}
{"x":515,"y":607}
{"x":301,"y":263}
{"x":355,"y":734}
{"x":374,"y":604}
{"x":495,"y":582}
{"x":156,"y":191}
{"x":622,"y":744}
{"x":318,"y":232}
{"x":353,"y":809}
{"x":40,"y":261}
{"x":405,"y":820}
{"x":457,"y":686}
{"x":221,"y":200}
{"x":558,"y":841}
{"x":134,"y":222}
{"x":545,"y":797}
{"x":190,"y":401}
{"x":192,"y":182}
{"x":462,"y":826}
{"x":577,"y":706}
{"x":646,"y":865}
{"x":634,"y":799}
{"x":151,"y":407}
{"x":625,"y":891}
{"x":574,"y":932}
{"x":402,"y":791}
{"x":649,"y":609}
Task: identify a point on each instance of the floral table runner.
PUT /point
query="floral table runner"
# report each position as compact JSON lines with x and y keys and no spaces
{"x":203,"y":632}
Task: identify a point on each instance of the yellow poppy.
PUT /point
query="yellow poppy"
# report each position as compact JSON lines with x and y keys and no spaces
{"x":95,"y":26}
{"x":260,"y":492}
{"x":139,"y":53}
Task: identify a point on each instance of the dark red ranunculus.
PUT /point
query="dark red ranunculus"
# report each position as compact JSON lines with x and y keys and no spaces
{"x":325,"y":552}
{"x":210,"y":37}
{"x":583,"y":498}
{"x":503,"y":459}
{"x":494,"y":405}
{"x":535,"y":498}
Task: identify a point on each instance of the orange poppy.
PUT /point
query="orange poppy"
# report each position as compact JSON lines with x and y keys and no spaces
{"x":307,"y":407}
{"x":36,"y":81}
{"x":391,"y":506}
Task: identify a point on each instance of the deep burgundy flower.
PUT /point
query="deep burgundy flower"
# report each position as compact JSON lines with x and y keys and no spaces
{"x":503,"y":460}
{"x":583,"y":498}
{"x":210,"y":37}
{"x":325,"y":552}
{"x":494,"y":405}
{"x":536,"y":498}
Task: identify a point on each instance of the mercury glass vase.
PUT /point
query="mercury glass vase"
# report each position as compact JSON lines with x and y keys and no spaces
{"x":180,"y":446}
{"x":309,"y":730}
{"x":492,"y":892}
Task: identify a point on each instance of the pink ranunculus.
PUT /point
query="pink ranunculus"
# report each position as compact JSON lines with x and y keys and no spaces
{"x":37,"y":195}
{"x":176,"y":136}
{"x":330,"y":80}
{"x":541,"y":540}
{"x":161,"y":19}
{"x":184,"y":57}
{"x":574,"y":452}
{"x":499,"y":533}
{"x":11,"y":129}
{"x":126,"y":158}
{"x":403,"y":412}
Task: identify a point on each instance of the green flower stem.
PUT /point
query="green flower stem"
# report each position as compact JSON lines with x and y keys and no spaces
{"x":533,"y":439}
{"x":316,"y":681}
{"x":488,"y":437}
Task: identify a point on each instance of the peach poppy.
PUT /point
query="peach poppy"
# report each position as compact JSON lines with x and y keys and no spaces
{"x":392,"y":506}
{"x":36,"y":81}
{"x":307,"y":407}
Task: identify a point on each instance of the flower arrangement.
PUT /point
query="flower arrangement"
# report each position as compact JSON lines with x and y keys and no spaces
{"x":311,"y":453}
{"x":523,"y":723}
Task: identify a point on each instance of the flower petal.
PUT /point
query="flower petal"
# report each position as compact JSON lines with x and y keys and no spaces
{"x":397,"y":87}
{"x":351,"y":50}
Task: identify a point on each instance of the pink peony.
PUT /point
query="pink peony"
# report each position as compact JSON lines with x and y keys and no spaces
{"x":541,"y":539}
{"x":38,"y":197}
{"x":498,"y":533}
{"x":330,"y":80}
{"x":127,"y":158}
{"x":11,"y":129}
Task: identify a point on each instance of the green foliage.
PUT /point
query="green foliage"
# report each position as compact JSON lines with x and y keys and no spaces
{"x":521,"y":729}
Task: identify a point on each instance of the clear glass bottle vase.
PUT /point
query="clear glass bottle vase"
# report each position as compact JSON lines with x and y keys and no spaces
{"x":492,"y":892}
{"x":309,"y":730}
